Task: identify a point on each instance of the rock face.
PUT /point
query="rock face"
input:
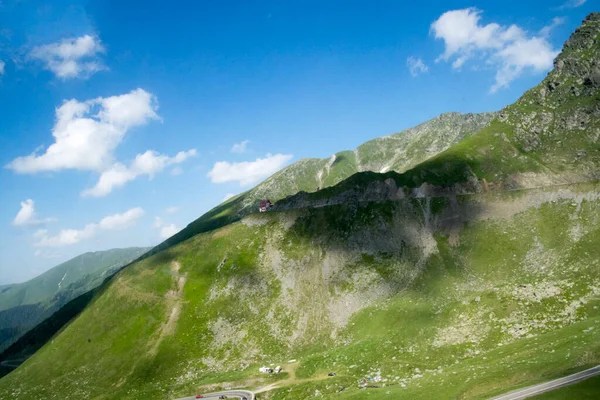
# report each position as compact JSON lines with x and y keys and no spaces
{"x":565,"y":117}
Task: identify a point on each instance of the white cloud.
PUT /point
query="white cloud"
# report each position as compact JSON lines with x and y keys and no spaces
{"x":168,"y":230}
{"x":148,"y":163}
{"x":122,"y":221}
{"x":509,"y":49}
{"x":72,"y":57}
{"x":86,"y":135}
{"x":28,"y":216}
{"x":66,"y":236}
{"x":228,"y":196}
{"x":572,"y":4}
{"x":72,"y":236}
{"x":2,"y":65}
{"x":416,"y":66}
{"x":534,"y":53}
{"x":87,"y":142}
{"x":25,"y":214}
{"x":247,"y":172}
{"x":241,"y":147}
{"x":172,"y":210}
{"x":165,"y":230}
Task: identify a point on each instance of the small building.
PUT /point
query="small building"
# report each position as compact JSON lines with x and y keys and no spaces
{"x":277,"y":369}
{"x":266,"y":370}
{"x":265,"y":205}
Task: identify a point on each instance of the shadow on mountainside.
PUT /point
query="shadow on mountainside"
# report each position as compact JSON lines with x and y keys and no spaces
{"x":394,"y":238}
{"x":36,"y":338}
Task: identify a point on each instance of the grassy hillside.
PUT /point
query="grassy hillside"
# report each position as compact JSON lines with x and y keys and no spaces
{"x":397,"y":152}
{"x":463,"y":295}
{"x":24,"y":305}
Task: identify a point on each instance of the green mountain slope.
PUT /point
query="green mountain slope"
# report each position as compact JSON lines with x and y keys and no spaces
{"x":24,"y":305}
{"x":432,"y":283}
{"x":460,"y":295}
{"x":397,"y":152}
{"x":551,"y":135}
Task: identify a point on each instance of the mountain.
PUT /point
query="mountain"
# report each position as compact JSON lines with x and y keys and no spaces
{"x":468,"y":274}
{"x":24,"y":305}
{"x":397,"y":152}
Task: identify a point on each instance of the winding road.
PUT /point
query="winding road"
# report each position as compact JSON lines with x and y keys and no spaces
{"x":231,"y":394}
{"x":548,"y":386}
{"x":518,"y":394}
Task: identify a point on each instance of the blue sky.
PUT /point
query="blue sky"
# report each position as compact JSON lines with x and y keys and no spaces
{"x":120,"y":118}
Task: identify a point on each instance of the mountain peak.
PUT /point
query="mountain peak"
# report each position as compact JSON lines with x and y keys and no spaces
{"x":580,"y":53}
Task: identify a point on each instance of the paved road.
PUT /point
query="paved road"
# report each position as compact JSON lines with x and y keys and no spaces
{"x":548,"y":386}
{"x":231,"y":394}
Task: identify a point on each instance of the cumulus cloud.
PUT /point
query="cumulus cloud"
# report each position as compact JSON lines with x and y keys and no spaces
{"x":509,"y":49}
{"x":148,"y":163}
{"x":248,"y":172}
{"x":72,"y":236}
{"x":165,"y":230}
{"x":86,"y":141}
{"x":416,"y":66}
{"x":65,"y":237}
{"x":168,"y":230}
{"x":2,"y":65}
{"x":72,"y":57}
{"x":28,"y":216}
{"x":122,"y":221}
{"x":241,"y":147}
{"x":86,"y":135}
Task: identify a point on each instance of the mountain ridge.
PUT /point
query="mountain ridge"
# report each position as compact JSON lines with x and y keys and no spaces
{"x":24,"y":305}
{"x":308,"y":174}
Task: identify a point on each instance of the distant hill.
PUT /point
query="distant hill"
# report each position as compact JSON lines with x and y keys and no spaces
{"x":24,"y":305}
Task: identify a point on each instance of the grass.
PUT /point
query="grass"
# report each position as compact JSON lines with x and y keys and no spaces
{"x":239,"y":312}
{"x":585,"y":390}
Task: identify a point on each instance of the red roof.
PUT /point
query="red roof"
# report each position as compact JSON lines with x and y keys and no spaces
{"x":265,"y":203}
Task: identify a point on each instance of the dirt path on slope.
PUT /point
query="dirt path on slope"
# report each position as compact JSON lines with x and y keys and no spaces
{"x":174,"y":298}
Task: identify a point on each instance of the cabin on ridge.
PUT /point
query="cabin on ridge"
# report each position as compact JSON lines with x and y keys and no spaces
{"x":264,"y":205}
